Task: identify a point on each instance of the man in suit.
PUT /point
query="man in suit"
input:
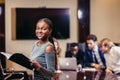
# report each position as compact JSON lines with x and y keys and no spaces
{"x":76,"y":53}
{"x":93,"y":56}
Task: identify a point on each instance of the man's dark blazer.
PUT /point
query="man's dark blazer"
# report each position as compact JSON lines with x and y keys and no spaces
{"x":79,"y":56}
{"x":89,"y":59}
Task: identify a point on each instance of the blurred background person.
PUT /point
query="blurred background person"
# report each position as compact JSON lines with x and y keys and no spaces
{"x":75,"y":52}
{"x":112,"y":55}
{"x":93,"y":56}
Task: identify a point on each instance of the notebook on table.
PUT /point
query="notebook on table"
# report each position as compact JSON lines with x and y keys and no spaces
{"x":68,"y":64}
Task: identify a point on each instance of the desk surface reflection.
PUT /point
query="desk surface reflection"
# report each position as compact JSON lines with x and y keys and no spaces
{"x":83,"y":75}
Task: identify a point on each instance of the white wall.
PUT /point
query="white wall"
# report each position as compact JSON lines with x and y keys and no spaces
{"x":25,"y":46}
{"x":105,"y":19}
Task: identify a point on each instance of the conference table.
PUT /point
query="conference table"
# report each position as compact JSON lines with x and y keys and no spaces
{"x":87,"y":74}
{"x":84,"y":75}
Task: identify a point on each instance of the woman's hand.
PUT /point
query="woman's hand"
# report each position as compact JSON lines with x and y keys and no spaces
{"x":35,"y":64}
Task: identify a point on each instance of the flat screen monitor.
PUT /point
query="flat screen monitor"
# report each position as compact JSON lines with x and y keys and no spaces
{"x":26,"y":19}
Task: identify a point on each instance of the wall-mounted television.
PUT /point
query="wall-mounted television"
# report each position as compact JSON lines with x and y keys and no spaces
{"x":25,"y":20}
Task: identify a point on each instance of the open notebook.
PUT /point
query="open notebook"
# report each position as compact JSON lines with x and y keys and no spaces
{"x":68,"y":64}
{"x":19,"y":59}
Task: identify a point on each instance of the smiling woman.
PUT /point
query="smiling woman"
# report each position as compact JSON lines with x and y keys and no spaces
{"x":43,"y":53}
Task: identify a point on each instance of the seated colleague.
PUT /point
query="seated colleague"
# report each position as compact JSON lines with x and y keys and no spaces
{"x":75,"y":52}
{"x":93,"y":56}
{"x":112,"y":55}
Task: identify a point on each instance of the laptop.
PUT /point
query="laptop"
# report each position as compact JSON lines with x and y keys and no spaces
{"x":68,"y":64}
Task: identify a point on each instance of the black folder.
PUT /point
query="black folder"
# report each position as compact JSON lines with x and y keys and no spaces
{"x":20,"y":59}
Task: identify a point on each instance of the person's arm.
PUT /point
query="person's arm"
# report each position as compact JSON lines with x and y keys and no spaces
{"x":80,"y":57}
{"x":87,"y":60}
{"x":50,"y":57}
{"x":50,"y":61}
{"x":102,"y":59}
